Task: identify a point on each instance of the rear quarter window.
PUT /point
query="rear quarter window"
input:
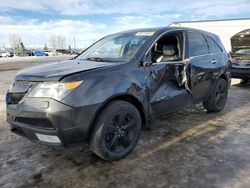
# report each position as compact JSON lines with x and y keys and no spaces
{"x":213,"y":46}
{"x":197,"y":44}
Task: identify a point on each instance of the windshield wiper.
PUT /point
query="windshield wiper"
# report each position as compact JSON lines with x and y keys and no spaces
{"x":95,"y":59}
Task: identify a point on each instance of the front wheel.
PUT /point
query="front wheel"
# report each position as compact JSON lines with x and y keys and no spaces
{"x":218,"y":98}
{"x":116,"y":130}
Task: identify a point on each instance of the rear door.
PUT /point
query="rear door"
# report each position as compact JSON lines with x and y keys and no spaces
{"x":201,"y":66}
{"x":219,"y":58}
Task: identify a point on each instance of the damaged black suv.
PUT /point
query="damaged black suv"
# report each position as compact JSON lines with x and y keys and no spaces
{"x":106,"y":95}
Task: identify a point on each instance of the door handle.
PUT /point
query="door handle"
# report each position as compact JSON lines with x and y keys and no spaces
{"x":214,"y":61}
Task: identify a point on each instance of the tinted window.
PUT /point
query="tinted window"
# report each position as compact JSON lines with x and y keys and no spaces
{"x":167,"y":48}
{"x":197,"y":44}
{"x":119,"y":47}
{"x":242,"y":51}
{"x":213,"y":46}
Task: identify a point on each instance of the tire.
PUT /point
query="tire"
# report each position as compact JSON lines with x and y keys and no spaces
{"x":116,"y":130}
{"x":218,"y":98}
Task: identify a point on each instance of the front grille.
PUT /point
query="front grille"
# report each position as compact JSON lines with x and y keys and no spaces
{"x":22,"y":86}
{"x":14,"y":98}
{"x":242,"y":64}
{"x":18,"y":90}
{"x":37,"y":122}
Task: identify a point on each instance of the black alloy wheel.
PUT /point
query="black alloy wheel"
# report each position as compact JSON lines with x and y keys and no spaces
{"x":117,"y":130}
{"x":218,"y":98}
{"x":120,"y":131}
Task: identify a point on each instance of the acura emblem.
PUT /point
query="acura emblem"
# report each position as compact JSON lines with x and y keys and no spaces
{"x":242,"y":64}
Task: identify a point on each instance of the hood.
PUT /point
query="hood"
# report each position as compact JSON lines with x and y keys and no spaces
{"x":241,"y":40}
{"x":58,"y":70}
{"x":239,"y":57}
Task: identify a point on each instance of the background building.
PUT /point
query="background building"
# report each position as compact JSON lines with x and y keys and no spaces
{"x":224,"y":28}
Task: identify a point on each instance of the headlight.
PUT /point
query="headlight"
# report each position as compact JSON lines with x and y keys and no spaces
{"x":55,"y":90}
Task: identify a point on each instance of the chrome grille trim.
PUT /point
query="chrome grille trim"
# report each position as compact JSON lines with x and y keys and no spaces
{"x":18,"y":90}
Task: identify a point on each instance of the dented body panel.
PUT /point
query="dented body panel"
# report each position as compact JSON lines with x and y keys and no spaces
{"x":164,"y":94}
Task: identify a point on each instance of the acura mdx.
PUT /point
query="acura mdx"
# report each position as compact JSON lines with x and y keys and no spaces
{"x":107,"y":94}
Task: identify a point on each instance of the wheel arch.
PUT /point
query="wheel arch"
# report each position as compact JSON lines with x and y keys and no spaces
{"x":223,"y":76}
{"x":124,"y":97}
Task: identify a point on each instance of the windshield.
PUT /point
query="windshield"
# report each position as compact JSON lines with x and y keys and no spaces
{"x":242,"y":51}
{"x":115,"y":48}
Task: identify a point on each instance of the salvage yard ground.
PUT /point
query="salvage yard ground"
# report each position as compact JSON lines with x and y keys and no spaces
{"x":189,"y":148}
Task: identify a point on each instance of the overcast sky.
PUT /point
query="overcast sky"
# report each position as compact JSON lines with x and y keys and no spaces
{"x":34,"y":21}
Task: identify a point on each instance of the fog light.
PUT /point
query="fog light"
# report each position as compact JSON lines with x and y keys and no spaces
{"x":45,"y":105}
{"x":48,"y":138}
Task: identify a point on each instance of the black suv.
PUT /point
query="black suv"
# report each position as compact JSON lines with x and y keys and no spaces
{"x":241,"y":55}
{"x":106,"y":95}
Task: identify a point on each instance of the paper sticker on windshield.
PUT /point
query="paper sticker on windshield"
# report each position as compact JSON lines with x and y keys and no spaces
{"x":144,"y":33}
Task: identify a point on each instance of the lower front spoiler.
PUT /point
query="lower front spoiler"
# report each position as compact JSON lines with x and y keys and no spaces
{"x":33,"y":134}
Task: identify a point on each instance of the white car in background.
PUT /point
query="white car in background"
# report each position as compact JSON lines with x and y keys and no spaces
{"x":6,"y":54}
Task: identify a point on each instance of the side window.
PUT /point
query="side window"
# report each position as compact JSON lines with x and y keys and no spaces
{"x":197,"y":44}
{"x":213,"y":46}
{"x":168,"y":48}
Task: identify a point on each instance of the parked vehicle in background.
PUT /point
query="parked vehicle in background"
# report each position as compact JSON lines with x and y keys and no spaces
{"x":40,"y":53}
{"x":6,"y":53}
{"x":241,"y":55}
{"x":50,"y":53}
{"x":106,"y":95}
{"x":61,"y":52}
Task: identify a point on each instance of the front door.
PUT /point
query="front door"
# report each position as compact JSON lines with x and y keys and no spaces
{"x":162,"y":77}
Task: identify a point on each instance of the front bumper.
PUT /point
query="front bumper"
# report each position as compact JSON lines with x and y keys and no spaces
{"x":240,"y":72}
{"x":48,"y":117}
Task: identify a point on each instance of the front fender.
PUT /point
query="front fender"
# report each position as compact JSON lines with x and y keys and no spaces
{"x":98,"y":91}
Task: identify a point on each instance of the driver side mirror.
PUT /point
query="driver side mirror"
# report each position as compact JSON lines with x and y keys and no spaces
{"x":145,"y":62}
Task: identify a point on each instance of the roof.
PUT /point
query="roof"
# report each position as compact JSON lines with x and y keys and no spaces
{"x":161,"y":29}
{"x":153,"y":29}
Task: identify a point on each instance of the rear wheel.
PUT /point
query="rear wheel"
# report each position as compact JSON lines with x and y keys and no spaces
{"x":116,"y":130}
{"x":218,"y":99}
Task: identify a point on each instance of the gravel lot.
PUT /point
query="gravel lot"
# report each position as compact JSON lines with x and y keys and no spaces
{"x":189,"y":148}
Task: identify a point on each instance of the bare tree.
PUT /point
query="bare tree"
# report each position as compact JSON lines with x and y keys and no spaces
{"x":53,"y":41}
{"x":14,"y":40}
{"x":61,"y":41}
{"x":57,"y":41}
